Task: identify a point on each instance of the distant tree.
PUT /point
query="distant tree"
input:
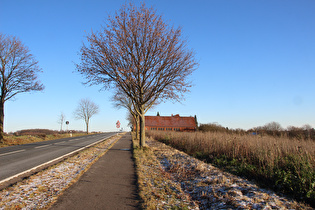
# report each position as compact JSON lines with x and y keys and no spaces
{"x":131,"y":121}
{"x":196,"y":121}
{"x":142,"y":55}
{"x":273,"y":126}
{"x":211,"y":127}
{"x":18,"y":69}
{"x":61,"y":120}
{"x":120,"y":100}
{"x":291,"y":128}
{"x":158,"y":114}
{"x":295,"y":132}
{"x":85,"y":110}
{"x":307,"y":129}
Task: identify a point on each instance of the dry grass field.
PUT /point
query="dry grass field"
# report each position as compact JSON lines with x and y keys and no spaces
{"x":284,"y":164}
{"x":11,"y":140}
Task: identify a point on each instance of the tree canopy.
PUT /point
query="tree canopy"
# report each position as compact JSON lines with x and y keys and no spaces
{"x":18,"y":72}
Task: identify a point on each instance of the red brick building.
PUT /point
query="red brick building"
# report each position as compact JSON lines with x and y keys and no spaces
{"x":170,"y":123}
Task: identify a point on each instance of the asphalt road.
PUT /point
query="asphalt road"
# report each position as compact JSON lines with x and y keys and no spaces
{"x":17,"y":159}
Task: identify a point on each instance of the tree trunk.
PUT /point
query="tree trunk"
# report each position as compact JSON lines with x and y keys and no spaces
{"x":142,"y":129}
{"x":137,"y":128}
{"x":135,"y":125}
{"x":1,"y":121}
{"x":87,"y":127}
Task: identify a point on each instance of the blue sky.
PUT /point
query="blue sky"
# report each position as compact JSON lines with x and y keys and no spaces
{"x":257,"y":61}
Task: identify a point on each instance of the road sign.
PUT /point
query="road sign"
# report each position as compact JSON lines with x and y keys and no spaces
{"x":117,"y":124}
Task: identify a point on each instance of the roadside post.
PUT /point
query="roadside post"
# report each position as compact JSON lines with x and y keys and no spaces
{"x":67,"y":123}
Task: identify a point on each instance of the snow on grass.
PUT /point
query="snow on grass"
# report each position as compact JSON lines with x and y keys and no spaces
{"x":203,"y":185}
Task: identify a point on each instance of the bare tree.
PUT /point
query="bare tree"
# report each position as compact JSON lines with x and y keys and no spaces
{"x":142,"y":55}
{"x":85,"y":110}
{"x":18,"y":69}
{"x":273,"y":126}
{"x":121,"y":100}
{"x":307,"y":129}
{"x":61,"y":120}
{"x":130,"y":120}
{"x":133,"y":122}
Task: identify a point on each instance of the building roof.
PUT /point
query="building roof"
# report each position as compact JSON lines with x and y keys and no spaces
{"x":170,"y":121}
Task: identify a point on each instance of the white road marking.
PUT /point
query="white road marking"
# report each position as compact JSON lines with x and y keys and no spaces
{"x":43,"y":146}
{"x":8,"y":153}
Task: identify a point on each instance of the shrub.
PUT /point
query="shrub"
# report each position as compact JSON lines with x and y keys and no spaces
{"x":35,"y":132}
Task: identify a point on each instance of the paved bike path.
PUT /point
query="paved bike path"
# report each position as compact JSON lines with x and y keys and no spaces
{"x":110,"y":183}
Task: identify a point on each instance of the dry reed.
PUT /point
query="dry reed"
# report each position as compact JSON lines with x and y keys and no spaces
{"x":287,"y":164}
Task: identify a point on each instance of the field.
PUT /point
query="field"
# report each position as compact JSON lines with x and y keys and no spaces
{"x":284,"y":164}
{"x":35,"y":135}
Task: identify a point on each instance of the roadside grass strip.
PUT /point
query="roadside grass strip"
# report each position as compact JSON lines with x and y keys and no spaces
{"x":170,"y":179}
{"x":156,"y":188}
{"x":42,"y":189}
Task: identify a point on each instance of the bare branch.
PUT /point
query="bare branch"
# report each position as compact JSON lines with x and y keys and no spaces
{"x":18,"y":68}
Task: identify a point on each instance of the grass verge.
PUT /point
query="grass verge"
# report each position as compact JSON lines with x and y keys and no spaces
{"x":156,"y":188}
